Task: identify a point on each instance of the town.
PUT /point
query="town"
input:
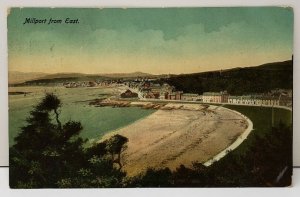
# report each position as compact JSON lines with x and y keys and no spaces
{"x":149,"y":89}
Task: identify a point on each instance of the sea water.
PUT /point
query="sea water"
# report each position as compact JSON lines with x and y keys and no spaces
{"x":96,"y":121}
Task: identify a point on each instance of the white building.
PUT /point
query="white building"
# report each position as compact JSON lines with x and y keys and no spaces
{"x":254,"y":100}
{"x":215,"y":97}
{"x":191,"y":97}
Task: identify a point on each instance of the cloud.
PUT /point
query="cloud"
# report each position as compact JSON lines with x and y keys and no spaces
{"x":130,"y":49}
{"x":193,"y":40}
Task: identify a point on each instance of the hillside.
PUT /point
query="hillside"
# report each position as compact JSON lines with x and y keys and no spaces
{"x":27,"y":79}
{"x":237,"y":81}
{"x":20,"y":77}
{"x":92,"y":76}
{"x":128,"y":75}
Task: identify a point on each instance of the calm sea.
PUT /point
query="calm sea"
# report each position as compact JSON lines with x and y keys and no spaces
{"x":96,"y":121}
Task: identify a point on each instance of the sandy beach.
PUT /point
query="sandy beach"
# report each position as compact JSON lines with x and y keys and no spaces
{"x":179,"y":134}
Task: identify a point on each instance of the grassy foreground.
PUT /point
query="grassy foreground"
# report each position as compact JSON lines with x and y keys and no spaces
{"x":262,"y":121}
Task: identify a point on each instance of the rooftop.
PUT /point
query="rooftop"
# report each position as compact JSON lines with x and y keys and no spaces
{"x":212,"y":94}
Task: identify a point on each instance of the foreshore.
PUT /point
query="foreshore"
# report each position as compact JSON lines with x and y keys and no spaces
{"x":179,"y":134}
{"x":146,"y":105}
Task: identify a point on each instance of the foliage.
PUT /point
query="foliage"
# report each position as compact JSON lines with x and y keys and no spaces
{"x":115,"y":146}
{"x":151,"y":178}
{"x":254,"y":79}
{"x":48,"y":154}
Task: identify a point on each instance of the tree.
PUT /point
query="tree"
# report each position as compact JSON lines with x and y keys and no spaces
{"x":50,"y":154}
{"x":115,"y":146}
{"x":51,"y":103}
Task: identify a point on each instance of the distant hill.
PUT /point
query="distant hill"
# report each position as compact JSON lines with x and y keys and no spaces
{"x":82,"y":75}
{"x":63,"y":77}
{"x":128,"y":75}
{"x":20,"y":77}
{"x":237,"y":81}
{"x":28,"y":79}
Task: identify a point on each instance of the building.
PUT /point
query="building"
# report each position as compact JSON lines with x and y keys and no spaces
{"x":234,"y":99}
{"x":92,"y":84}
{"x":269,"y":100}
{"x":129,"y":94}
{"x":286,"y":101}
{"x":246,"y":100}
{"x":190,"y":97}
{"x":254,"y":100}
{"x":152,"y":95}
{"x":174,"y":95}
{"x":215,"y":97}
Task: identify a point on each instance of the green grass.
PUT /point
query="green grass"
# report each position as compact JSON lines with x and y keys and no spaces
{"x":262,"y":121}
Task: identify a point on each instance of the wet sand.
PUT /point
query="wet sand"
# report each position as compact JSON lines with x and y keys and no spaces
{"x":179,"y":134}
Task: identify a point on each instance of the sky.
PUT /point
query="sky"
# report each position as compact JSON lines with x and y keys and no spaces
{"x":151,"y":40}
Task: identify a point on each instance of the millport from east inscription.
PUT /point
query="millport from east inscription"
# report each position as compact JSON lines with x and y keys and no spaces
{"x":50,"y":21}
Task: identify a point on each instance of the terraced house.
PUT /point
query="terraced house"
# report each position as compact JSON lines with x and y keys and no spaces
{"x":191,"y":97}
{"x":215,"y":97}
{"x":254,"y":100}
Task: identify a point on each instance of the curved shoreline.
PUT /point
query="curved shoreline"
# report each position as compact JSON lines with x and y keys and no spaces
{"x":112,"y":132}
{"x":235,"y":144}
{"x":168,"y":138}
{"x":267,"y":106}
{"x":115,"y":131}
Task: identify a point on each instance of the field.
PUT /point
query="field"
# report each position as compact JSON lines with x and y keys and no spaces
{"x":262,"y":121}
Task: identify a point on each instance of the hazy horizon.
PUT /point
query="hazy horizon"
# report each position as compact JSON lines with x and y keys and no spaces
{"x":150,"y":40}
{"x":70,"y":72}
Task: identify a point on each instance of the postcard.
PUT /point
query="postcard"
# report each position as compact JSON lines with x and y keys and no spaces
{"x":150,"y":97}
